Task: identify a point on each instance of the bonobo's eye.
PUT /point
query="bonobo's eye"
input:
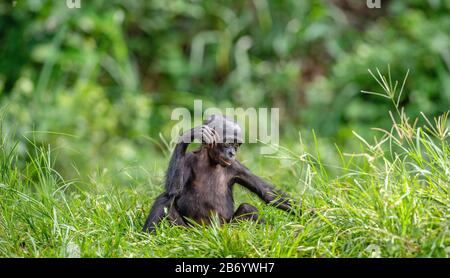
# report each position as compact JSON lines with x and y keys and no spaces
{"x":227,"y":145}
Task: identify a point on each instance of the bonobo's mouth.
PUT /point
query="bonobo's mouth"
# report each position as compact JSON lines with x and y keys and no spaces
{"x":227,"y":163}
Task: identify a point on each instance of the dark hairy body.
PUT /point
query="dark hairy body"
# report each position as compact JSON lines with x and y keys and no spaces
{"x":199,"y":185}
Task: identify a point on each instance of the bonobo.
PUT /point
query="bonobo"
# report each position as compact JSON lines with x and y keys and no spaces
{"x":199,"y":183}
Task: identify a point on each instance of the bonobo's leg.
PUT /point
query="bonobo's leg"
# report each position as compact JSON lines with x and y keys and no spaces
{"x":247,"y":212}
{"x":162,"y":208}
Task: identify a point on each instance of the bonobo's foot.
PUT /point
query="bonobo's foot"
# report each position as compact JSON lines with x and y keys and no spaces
{"x":247,"y":212}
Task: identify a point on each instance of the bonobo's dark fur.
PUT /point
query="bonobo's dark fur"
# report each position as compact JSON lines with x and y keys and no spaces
{"x":199,"y":184}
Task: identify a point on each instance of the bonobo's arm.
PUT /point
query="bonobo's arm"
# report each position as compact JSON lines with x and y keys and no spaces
{"x":178,"y":172}
{"x":177,"y":175}
{"x":261,"y":188}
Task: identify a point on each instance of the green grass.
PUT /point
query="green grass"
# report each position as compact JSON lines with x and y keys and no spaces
{"x":389,"y":199}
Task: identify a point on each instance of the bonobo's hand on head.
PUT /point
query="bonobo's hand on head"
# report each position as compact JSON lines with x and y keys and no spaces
{"x":203,"y":133}
{"x":230,"y":138}
{"x":228,"y":131}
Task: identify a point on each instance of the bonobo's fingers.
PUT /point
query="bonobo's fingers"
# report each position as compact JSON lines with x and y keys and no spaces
{"x":208,"y":135}
{"x":216,"y":137}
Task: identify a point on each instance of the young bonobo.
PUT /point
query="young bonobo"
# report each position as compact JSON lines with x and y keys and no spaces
{"x":199,"y":184}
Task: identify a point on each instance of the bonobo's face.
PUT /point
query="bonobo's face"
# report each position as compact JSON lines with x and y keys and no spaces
{"x":224,"y":153}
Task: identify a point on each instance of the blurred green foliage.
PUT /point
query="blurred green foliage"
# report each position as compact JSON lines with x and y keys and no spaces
{"x":109,"y":74}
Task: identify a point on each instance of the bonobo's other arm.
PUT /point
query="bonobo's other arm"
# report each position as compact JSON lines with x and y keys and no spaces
{"x":261,"y":188}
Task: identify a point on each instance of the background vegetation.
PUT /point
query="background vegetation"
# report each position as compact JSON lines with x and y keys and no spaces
{"x":87,"y":96}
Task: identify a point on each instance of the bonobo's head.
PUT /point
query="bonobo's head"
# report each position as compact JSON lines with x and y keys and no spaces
{"x":230,"y":135}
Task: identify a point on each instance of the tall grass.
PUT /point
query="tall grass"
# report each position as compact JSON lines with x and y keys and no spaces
{"x":389,"y":199}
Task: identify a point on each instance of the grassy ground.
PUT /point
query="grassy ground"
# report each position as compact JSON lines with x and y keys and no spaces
{"x":390,"y":199}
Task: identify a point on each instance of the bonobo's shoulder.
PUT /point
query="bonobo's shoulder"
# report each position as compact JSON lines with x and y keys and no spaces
{"x":195,"y":153}
{"x":189,"y":156}
{"x":193,"y":156}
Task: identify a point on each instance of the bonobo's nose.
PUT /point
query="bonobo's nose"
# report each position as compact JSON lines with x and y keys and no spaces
{"x":231,"y":153}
